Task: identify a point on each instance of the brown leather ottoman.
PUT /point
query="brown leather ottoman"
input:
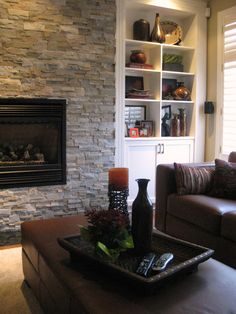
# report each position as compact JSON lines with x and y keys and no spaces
{"x":63,"y":287}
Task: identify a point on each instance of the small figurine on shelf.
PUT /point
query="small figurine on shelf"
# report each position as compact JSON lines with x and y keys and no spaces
{"x":165,"y":127}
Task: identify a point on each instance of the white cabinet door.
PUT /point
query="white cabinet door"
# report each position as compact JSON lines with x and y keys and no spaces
{"x":140,"y":158}
{"x":170,"y":151}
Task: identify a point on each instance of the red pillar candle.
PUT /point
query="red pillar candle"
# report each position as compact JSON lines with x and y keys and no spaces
{"x":118,"y":178}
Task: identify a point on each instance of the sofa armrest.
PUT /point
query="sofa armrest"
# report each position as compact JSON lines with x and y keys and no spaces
{"x":166,"y":185}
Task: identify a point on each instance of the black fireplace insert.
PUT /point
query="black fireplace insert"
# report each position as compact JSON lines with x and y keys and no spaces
{"x":32,"y":142}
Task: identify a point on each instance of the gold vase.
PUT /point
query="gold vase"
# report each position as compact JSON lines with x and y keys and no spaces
{"x":157,"y":33}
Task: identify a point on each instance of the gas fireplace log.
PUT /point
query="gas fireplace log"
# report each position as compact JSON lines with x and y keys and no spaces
{"x":13,"y":153}
{"x":39,"y":157}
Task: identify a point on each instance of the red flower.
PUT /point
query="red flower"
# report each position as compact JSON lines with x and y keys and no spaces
{"x":107,"y":226}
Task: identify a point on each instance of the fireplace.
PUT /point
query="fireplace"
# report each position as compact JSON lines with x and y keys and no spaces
{"x":32,"y":142}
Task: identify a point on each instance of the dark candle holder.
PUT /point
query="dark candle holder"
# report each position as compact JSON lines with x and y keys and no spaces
{"x":118,"y":200}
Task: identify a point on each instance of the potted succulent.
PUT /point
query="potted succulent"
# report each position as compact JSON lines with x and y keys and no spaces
{"x":172,"y":62}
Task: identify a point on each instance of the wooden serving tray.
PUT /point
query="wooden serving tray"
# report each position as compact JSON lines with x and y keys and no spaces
{"x":187,"y":256}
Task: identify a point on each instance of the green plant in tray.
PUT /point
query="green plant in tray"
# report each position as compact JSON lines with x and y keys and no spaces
{"x":108,"y":232}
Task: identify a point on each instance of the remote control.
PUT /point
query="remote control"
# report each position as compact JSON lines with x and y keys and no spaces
{"x":146,"y":264}
{"x":162,"y":261}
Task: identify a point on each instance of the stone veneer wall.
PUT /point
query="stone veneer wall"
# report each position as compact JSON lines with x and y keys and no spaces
{"x":62,"y":49}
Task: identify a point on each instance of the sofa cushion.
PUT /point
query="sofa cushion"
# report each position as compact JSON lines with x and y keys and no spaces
{"x":228,"y":226}
{"x":232,"y":157}
{"x":193,"y":180}
{"x":200,"y":210}
{"x":224,"y":181}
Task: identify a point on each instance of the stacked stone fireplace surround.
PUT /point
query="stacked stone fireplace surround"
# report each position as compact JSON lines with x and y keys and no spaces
{"x":62,"y":49}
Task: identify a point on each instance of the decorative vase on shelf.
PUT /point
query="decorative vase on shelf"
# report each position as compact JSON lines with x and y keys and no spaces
{"x":181,"y":92}
{"x":175,"y":125}
{"x":141,"y":30}
{"x":142,"y":219}
{"x":157,"y":33}
{"x":182,"y":122}
{"x":138,"y":56}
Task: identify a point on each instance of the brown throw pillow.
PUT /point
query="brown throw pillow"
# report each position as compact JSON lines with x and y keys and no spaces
{"x":193,"y":180}
{"x":224,"y":183}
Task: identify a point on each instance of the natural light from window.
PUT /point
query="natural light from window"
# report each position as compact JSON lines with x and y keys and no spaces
{"x":229,"y":89}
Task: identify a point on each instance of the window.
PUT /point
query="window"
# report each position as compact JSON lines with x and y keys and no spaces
{"x":227,"y":81}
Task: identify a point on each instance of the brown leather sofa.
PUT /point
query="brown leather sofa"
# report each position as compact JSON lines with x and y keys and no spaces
{"x":200,"y":219}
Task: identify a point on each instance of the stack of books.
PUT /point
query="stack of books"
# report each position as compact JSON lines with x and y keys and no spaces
{"x":139,"y":65}
{"x":139,"y":93}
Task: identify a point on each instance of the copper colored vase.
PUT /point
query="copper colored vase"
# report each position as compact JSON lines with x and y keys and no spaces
{"x":138,"y":56}
{"x":181,"y":92}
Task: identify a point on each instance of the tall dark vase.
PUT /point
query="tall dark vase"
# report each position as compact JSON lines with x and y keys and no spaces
{"x":142,"y":219}
{"x":141,"y":30}
{"x":182,"y":122}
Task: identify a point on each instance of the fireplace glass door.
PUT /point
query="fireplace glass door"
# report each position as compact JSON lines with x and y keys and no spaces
{"x":32,"y":142}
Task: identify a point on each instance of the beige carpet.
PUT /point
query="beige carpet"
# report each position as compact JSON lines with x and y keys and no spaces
{"x":15,"y":296}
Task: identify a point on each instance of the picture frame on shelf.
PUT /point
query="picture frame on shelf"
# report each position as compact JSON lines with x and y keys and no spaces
{"x":134,"y":88}
{"x":133,"y":82}
{"x":133,"y":132}
{"x":143,"y":132}
{"x":134,"y":113}
{"x":168,"y":87}
{"x":146,"y":128}
{"x":128,"y":126}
